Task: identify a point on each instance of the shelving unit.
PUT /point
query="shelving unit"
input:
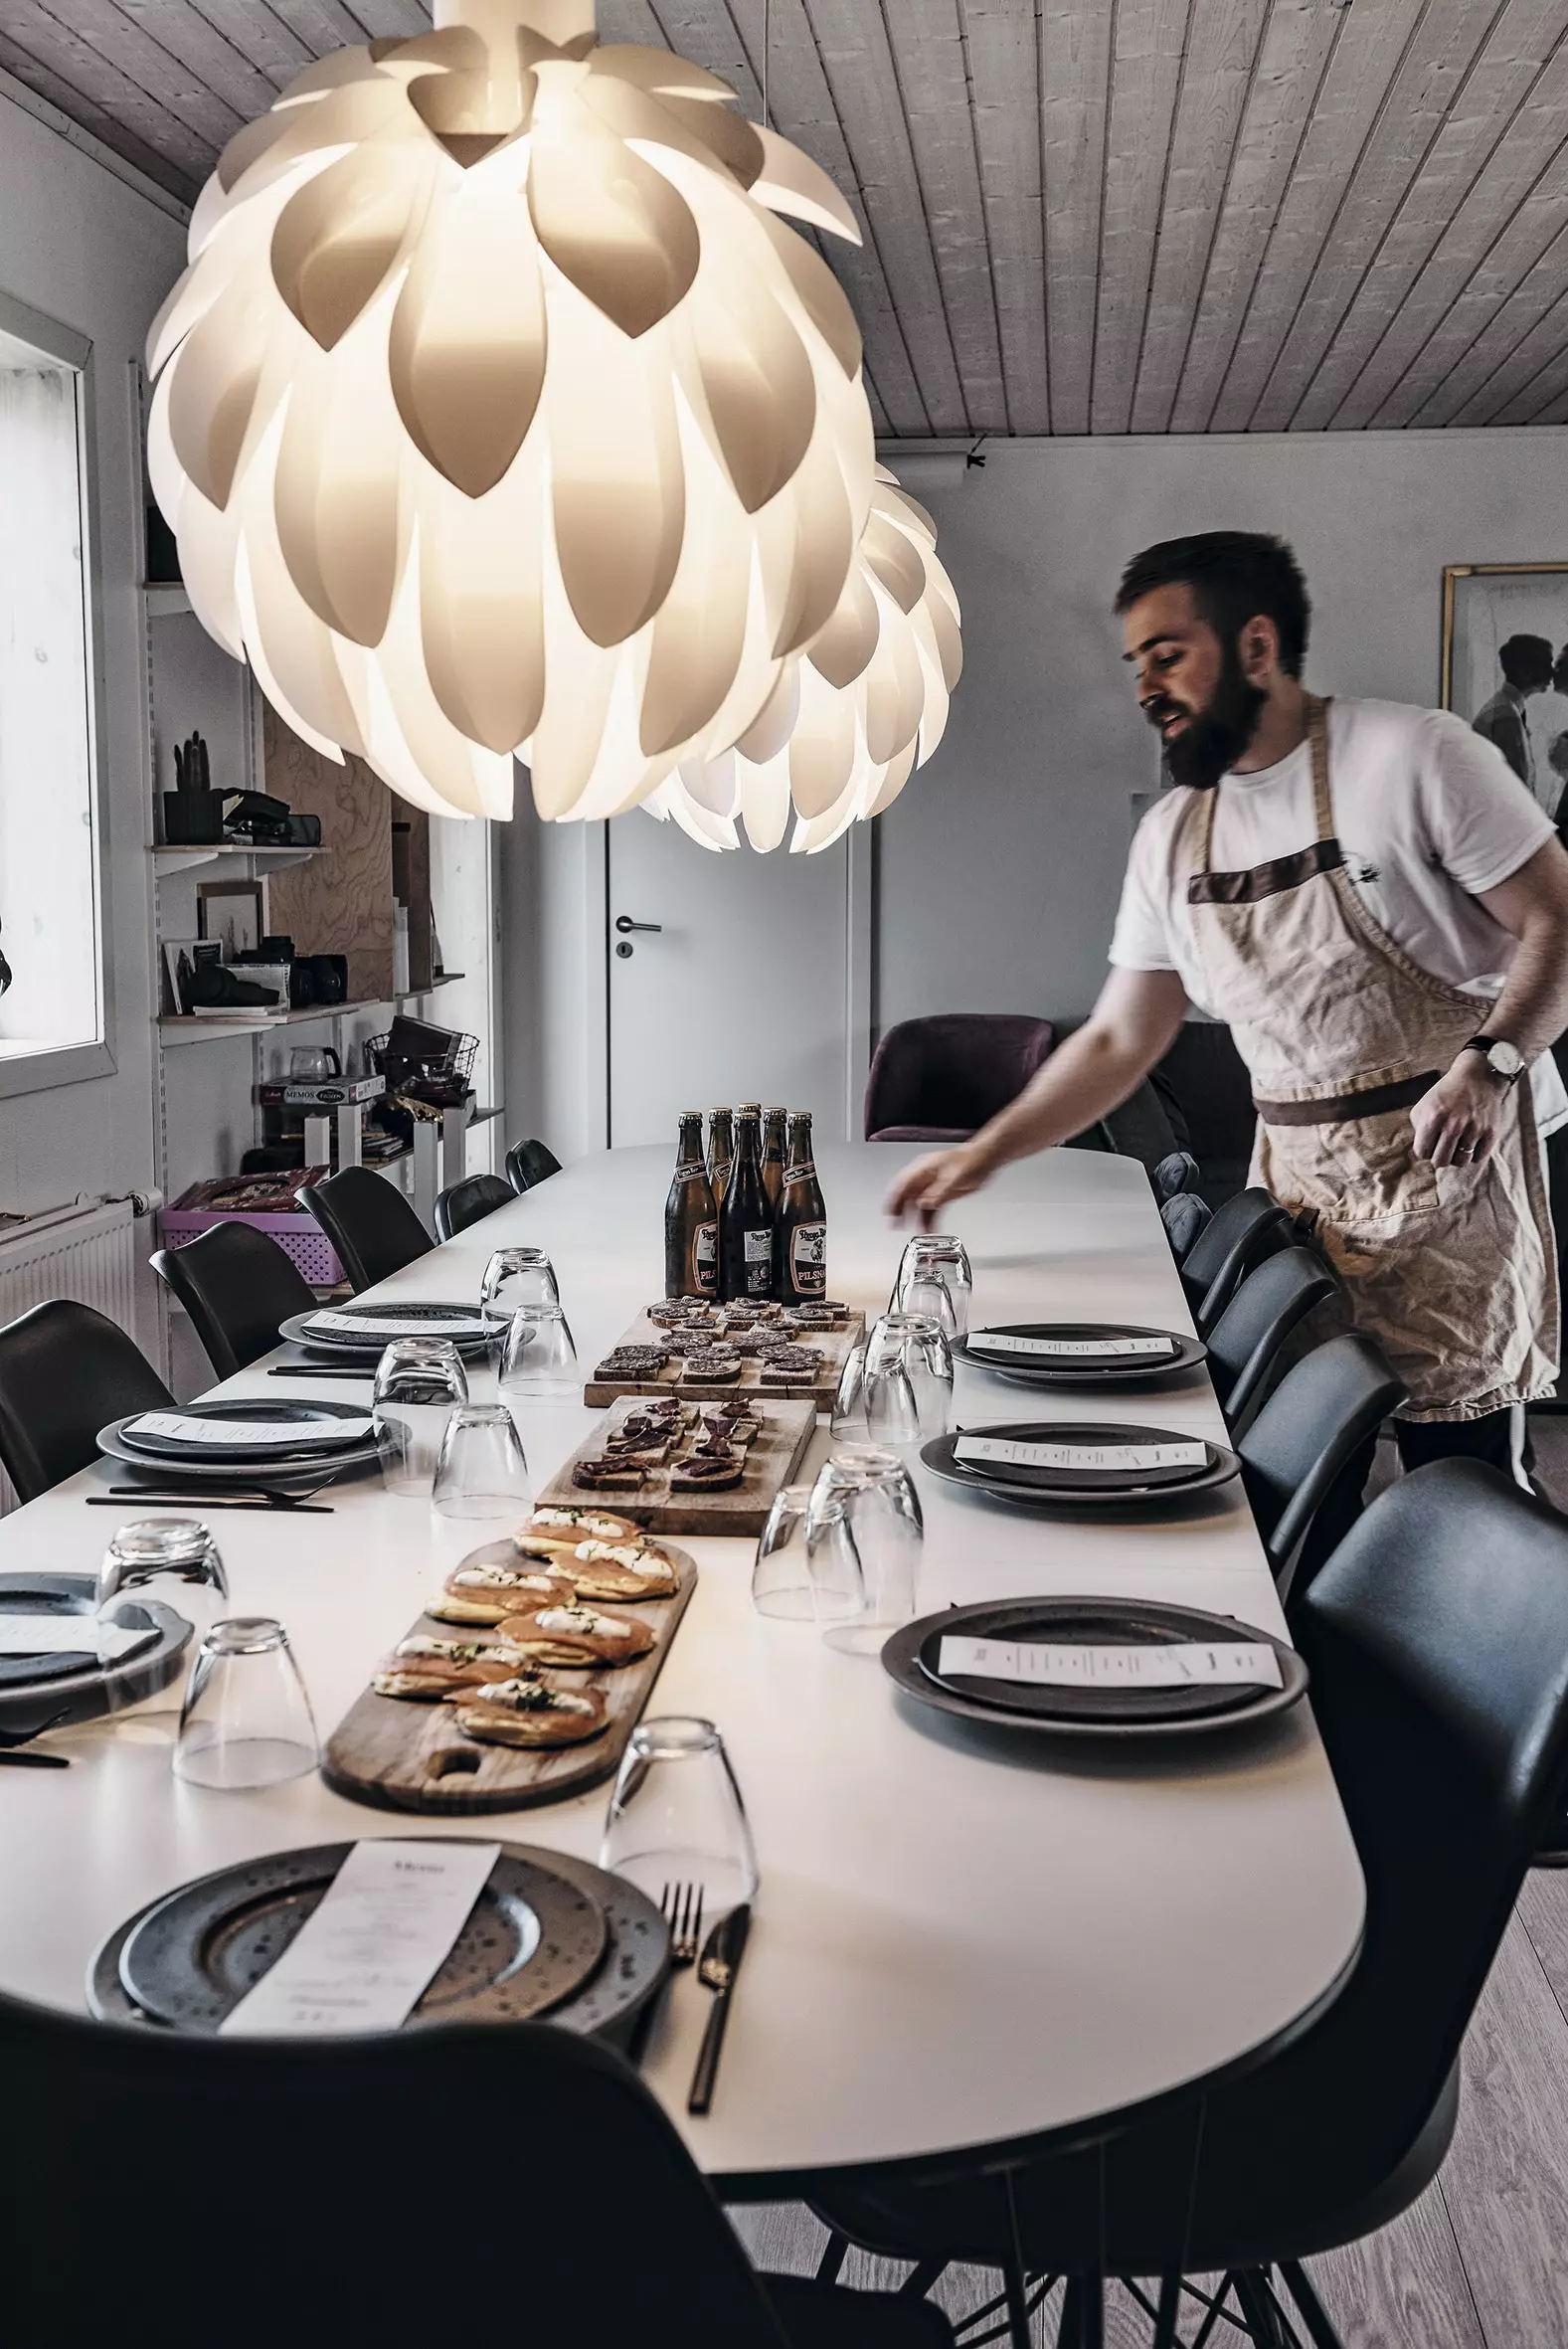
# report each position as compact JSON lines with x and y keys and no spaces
{"x":170,"y":858}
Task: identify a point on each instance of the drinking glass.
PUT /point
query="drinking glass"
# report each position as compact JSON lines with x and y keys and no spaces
{"x":420,"y":1382}
{"x":537,"y":1358}
{"x":247,"y":1720}
{"x":848,"y":1418}
{"x":865,"y":1519}
{"x":515,"y":1277}
{"x":796,"y":1580}
{"x":934,"y":1276}
{"x":481,"y":1472}
{"x":175,"y":1561}
{"x":907,"y":1379}
{"x":676,"y":1816}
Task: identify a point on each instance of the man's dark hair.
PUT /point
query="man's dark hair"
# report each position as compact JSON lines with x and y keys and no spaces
{"x":1234,"y":574}
{"x":1525,"y":661}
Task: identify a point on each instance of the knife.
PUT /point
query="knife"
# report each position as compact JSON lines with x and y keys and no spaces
{"x":22,"y":1759}
{"x":303,"y":1371}
{"x":204,"y":1500}
{"x":717,"y":1968}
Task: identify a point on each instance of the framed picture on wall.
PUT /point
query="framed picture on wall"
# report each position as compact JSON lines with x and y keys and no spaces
{"x":232,"y":912}
{"x":1505,"y":666}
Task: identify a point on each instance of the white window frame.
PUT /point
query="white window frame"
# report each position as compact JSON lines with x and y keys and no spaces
{"x":73,"y":1065}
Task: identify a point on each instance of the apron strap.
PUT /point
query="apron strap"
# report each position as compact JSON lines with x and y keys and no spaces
{"x":1318,"y":743}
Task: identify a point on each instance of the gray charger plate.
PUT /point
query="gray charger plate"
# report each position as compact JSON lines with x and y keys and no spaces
{"x":311,"y":1468}
{"x":908,"y":1659}
{"x":249,"y":1409}
{"x":608,"y":2004}
{"x":937,"y":1454}
{"x":343,"y":1347}
{"x":1024,"y":1370}
{"x":33,"y":1691}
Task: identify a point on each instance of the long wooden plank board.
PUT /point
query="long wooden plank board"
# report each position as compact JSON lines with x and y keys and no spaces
{"x":402,"y":1756}
{"x":753,"y":1379}
{"x":785,"y":1431}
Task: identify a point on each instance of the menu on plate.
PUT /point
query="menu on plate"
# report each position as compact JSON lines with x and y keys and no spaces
{"x":394,"y":1324}
{"x":73,"y":1635}
{"x":1109,"y":1459}
{"x":385,"y":1929}
{"x":1070,"y":1349}
{"x":175,"y":1425}
{"x":1213,"y":1664}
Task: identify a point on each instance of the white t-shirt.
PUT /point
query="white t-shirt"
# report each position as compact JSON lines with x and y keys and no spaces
{"x":1429,"y":815}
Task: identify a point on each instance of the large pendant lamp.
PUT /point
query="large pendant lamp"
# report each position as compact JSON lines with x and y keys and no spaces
{"x":498,"y":410}
{"x":853,"y":715}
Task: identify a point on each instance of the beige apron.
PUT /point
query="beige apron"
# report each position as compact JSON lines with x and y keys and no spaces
{"x":1452,"y":1269}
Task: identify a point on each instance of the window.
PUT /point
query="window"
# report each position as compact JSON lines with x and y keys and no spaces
{"x":50,"y":927}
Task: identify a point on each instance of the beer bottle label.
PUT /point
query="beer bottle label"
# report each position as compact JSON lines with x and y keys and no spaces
{"x":809,"y":1259}
{"x":705,"y":1257}
{"x":759,"y":1251}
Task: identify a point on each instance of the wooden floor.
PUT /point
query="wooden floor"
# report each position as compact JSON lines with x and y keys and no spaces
{"x":1481,"y":2261}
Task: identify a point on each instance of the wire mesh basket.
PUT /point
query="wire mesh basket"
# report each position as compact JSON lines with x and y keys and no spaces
{"x":457,"y":1066}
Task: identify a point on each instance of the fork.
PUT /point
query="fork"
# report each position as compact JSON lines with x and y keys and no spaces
{"x":15,"y":1746}
{"x":681,"y":1905}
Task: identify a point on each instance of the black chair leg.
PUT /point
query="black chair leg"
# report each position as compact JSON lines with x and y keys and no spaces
{"x":1083,"y":2320}
{"x":1310,"y":2310}
{"x":835,"y":2252}
{"x":1165,"y":2314}
{"x":918,"y":2282}
{"x":1258,"y":2305}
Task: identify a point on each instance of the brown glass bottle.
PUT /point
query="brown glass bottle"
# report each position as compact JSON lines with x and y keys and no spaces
{"x":800,"y":1227}
{"x":720,"y":1151}
{"x":773,"y":1154}
{"x":691,"y":1227}
{"x":746,"y":1220}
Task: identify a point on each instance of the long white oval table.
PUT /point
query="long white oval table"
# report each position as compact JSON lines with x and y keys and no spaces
{"x":959,"y":1941}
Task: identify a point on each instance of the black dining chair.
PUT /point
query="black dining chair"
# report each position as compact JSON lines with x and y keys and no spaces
{"x":1310,"y":1435}
{"x":306,"y":2138}
{"x":1238,"y":1235}
{"x":370,"y":1224}
{"x":1185,"y":1218}
{"x":469,"y":1201}
{"x":939,"y":1078}
{"x":65,"y":1370}
{"x":1176,"y":1173}
{"x":1247,"y":1344}
{"x":1437,"y":1638}
{"x":528,"y":1163}
{"x":237,"y":1285}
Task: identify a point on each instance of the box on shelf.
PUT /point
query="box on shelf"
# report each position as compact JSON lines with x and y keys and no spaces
{"x":266,"y":1201}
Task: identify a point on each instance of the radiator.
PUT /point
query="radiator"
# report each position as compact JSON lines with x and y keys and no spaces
{"x":90,"y":1256}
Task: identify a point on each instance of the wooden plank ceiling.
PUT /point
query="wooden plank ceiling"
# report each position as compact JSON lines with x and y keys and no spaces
{"x":1103,"y":215}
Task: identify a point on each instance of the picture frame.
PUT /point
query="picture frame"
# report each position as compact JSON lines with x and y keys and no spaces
{"x":1505,"y":666}
{"x":234,"y":912}
{"x":176,"y":951}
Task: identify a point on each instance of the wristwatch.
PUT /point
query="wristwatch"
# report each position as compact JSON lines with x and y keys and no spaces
{"x":1503,"y":1059}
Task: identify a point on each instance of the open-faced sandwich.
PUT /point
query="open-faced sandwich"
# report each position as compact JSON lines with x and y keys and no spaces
{"x":576,"y":1637}
{"x":424,"y":1667}
{"x":483,"y":1594}
{"x":621,"y":1571}
{"x":558,"y":1530}
{"x":707,"y":1472}
{"x":609,"y":1475}
{"x":525,"y":1711}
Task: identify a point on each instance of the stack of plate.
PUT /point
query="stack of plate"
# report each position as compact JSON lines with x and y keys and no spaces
{"x":926,"y":1660}
{"x":253,"y":1438}
{"x":362,"y":1333}
{"x":1080,"y":1353}
{"x":1078,"y":1463}
{"x":548,"y":1935}
{"x":73,"y":1685}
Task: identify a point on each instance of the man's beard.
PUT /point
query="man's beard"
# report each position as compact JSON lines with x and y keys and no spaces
{"x":1216,"y":736}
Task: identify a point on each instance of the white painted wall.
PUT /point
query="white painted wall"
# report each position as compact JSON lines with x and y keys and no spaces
{"x":85,"y":248}
{"x":999,"y":867}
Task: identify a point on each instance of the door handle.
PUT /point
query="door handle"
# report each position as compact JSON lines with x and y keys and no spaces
{"x":623,"y":923}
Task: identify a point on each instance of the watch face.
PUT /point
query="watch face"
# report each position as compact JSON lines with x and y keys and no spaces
{"x":1507,"y":1060}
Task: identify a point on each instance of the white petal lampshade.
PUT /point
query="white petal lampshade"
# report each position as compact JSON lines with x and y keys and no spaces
{"x":853,"y":715}
{"x":498,"y":410}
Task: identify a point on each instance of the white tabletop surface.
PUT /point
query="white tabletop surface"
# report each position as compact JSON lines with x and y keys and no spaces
{"x":958,"y":1941}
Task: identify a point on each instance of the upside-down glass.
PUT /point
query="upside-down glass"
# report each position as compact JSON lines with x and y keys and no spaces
{"x":420,"y":1382}
{"x":515,"y":1277}
{"x":791,"y":1580}
{"x":847,"y":1422}
{"x":676,"y":1816}
{"x":483,"y":1470}
{"x":246,"y":1720}
{"x":175,"y":1561}
{"x":864,"y":1524}
{"x":538,"y":1357}
{"x":908,"y":1386}
{"x":933,"y":1276}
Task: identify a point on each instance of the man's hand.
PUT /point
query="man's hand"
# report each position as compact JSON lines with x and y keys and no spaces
{"x":925,"y":1185}
{"x":1458,"y":1123}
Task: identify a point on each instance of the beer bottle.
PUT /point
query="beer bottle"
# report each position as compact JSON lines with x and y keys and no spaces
{"x":773,"y":1153}
{"x":691,"y":1228}
{"x":720,"y":1151}
{"x":800,"y":1230}
{"x":746,"y":1220}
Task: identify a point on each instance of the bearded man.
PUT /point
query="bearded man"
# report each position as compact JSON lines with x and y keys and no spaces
{"x":1378,"y":909}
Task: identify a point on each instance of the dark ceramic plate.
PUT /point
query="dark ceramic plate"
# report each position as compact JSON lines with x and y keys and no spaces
{"x":33,"y":1688}
{"x":1078,"y":1371}
{"x":1070,"y":1482}
{"x":237,"y":1412}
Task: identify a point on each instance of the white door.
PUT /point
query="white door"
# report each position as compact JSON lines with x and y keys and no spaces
{"x":741,"y":992}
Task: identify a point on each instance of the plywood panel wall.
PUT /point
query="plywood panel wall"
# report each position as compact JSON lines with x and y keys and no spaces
{"x":340,"y":901}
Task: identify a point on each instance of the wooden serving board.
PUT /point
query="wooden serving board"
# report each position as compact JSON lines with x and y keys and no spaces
{"x":753,"y":1379}
{"x":772,"y":1459}
{"x":403,"y":1754}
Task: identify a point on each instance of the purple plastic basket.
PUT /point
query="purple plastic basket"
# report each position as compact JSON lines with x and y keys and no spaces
{"x":301,"y":1237}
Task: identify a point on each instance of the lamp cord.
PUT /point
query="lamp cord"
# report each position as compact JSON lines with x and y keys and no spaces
{"x":768,"y":37}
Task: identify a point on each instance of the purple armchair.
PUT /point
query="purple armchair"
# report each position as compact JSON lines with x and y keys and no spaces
{"x":940,"y":1079}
